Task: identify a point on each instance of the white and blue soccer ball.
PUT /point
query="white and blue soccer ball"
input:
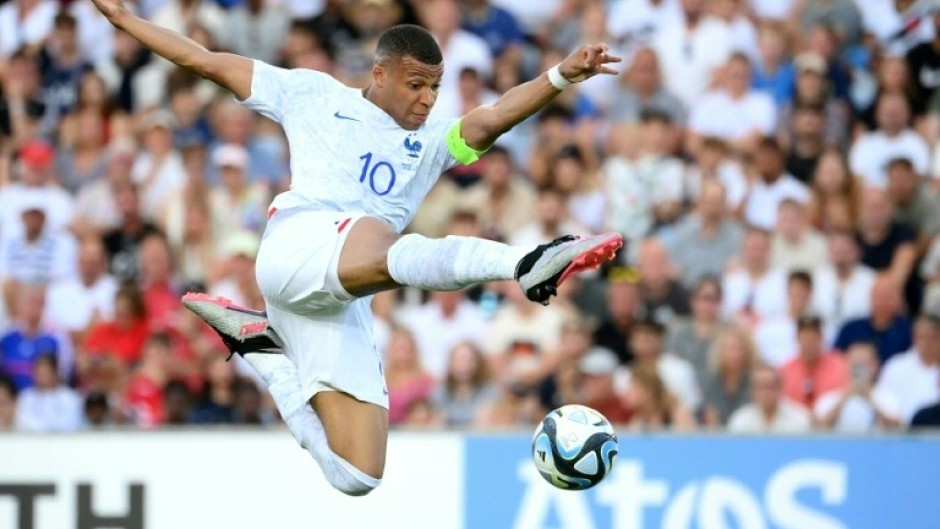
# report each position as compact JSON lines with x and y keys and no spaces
{"x":574,"y":447}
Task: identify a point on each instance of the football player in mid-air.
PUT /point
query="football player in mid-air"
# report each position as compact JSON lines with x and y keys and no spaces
{"x":362,"y":161}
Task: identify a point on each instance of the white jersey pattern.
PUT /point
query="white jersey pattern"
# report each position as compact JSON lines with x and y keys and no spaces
{"x":348,"y":155}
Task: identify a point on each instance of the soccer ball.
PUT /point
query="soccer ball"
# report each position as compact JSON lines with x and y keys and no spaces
{"x":574,"y":447}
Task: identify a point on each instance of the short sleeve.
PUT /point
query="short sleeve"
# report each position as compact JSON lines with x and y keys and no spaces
{"x":275,"y":90}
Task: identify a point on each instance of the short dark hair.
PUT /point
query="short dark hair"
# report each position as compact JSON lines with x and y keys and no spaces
{"x":900,"y":162}
{"x":800,"y":276}
{"x":409,"y":40}
{"x":649,"y":324}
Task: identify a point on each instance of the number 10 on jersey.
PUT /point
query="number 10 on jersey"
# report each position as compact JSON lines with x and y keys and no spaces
{"x":380,"y":171}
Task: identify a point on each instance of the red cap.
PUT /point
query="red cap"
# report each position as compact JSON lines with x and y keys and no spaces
{"x":37,"y":154}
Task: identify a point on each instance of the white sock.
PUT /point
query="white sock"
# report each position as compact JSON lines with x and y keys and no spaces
{"x":280,"y":374}
{"x":451,"y":263}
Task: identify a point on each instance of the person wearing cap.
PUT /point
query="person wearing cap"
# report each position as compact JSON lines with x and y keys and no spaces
{"x":37,"y":255}
{"x":813,"y":90}
{"x":894,"y":138}
{"x":36,"y":179}
{"x":236,"y":204}
{"x":597,"y":368}
{"x":815,"y":371}
{"x":158,"y":170}
{"x":239,"y":250}
{"x":623,"y":303}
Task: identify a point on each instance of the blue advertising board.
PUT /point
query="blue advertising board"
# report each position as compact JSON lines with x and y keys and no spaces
{"x":699,"y":482}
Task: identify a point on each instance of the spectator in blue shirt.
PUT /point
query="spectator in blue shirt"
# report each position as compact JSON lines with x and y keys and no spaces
{"x":493,"y":24}
{"x":886,"y":326}
{"x":22,"y":345}
{"x":773,"y":71}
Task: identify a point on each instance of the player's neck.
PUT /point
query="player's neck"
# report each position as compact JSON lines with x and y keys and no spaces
{"x":372,"y":95}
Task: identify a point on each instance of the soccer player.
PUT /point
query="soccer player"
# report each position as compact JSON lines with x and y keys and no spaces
{"x":361,"y":162}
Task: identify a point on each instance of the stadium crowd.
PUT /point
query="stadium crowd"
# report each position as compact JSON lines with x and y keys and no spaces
{"x":774,"y":166}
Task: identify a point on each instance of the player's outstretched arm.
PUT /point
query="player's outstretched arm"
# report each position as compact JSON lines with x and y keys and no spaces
{"x":482,"y":125}
{"x":230,"y":71}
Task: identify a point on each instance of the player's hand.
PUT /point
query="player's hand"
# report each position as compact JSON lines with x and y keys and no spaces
{"x":110,"y":8}
{"x":585,"y":62}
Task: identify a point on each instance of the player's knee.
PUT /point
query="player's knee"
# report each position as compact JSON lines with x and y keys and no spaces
{"x":350,"y":480}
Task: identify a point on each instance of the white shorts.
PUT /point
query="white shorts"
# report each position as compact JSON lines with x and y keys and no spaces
{"x":327,"y":332}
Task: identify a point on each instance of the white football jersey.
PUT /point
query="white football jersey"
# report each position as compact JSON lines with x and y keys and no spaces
{"x":346,"y":153}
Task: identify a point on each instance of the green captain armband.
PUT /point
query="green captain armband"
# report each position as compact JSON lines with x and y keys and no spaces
{"x":458,"y":147}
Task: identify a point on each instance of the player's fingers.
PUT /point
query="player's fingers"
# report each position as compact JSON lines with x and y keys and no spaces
{"x":612,"y":58}
{"x":607,"y":70}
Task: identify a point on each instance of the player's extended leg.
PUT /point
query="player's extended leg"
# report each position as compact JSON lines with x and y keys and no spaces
{"x":375,"y":258}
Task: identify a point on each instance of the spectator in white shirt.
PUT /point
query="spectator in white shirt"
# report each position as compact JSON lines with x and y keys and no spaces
{"x":796,"y":245}
{"x":713,"y":162}
{"x":158,"y":170}
{"x":755,"y":115}
{"x":859,"y":407}
{"x":36,"y":184}
{"x":646,"y":342}
{"x":256,"y":29}
{"x":842,"y":287}
{"x":894,"y":138}
{"x":914,"y":376}
{"x":690,"y":48}
{"x":38,"y":255}
{"x":48,"y":406}
{"x":552,"y":220}
{"x":769,"y":411}
{"x":756,"y":290}
{"x":25,"y":23}
{"x":775,"y":186}
{"x":776,"y":336}
{"x":73,"y":304}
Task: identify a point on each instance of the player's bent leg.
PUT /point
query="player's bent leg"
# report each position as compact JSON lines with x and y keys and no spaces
{"x":361,"y":269}
{"x":357,"y":434}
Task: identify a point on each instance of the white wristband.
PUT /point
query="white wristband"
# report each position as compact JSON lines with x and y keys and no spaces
{"x":558,"y":80}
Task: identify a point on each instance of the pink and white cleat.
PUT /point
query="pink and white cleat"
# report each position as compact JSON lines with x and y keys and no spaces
{"x":242,"y":330}
{"x":542,"y":270}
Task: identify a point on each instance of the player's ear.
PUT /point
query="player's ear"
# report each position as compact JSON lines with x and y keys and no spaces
{"x":379,"y":74}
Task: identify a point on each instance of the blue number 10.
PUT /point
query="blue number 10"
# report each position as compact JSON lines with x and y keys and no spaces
{"x":367,"y":160}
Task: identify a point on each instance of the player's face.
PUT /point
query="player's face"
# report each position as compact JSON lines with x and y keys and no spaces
{"x":412,"y":88}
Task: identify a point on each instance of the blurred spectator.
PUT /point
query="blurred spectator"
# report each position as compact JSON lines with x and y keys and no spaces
{"x":713,"y":163}
{"x":551,"y":221}
{"x":912,"y":376}
{"x":216,"y":404}
{"x":814,"y":371}
{"x":754,"y":111}
{"x":842,"y":287}
{"x":466,"y":386}
{"x":562,"y":385}
{"x":870,"y":154}
{"x":823,"y":40}
{"x":859,"y":406}
{"x":123,"y":337}
{"x":738,"y":19}
{"x":623,"y":308}
{"x":769,"y":411}
{"x":29,"y":339}
{"x":892,"y":78}
{"x":177,"y":403}
{"x":690,"y":339}
{"x":807,"y":142}
{"x":123,"y":242}
{"x":461,"y":49}
{"x":707,"y":239}
{"x":96,"y":205}
{"x":182,"y":16}
{"x":132,"y":74}
{"x":646,"y":342}
{"x":22,"y":107}
{"x":774,"y":186}
{"x":25,"y":24}
{"x":796,"y":245}
{"x":522,"y":328}
{"x":580,"y":188}
{"x":503,"y":200}
{"x":923,"y":60}
{"x":161,"y":297}
{"x":776,"y":336}
{"x":248,"y":405}
{"x":38,"y":254}
{"x":813,"y":90}
{"x":237,"y":282}
{"x":641,"y":89}
{"x":664,"y":298}
{"x":144,"y":394}
{"x":83,"y":157}
{"x":439,"y":325}
{"x":916,"y":203}
{"x":597,"y":389}
{"x":887,"y":244}
{"x":405,"y":376}
{"x":95,"y":33}
{"x":690,"y":48}
{"x":756,"y":290}
{"x":255,"y":29}
{"x":74,"y":303}
{"x":886,"y":325}
{"x":158,"y":170}
{"x":651,"y":406}
{"x":495,"y":25}
{"x":637,"y":22}
{"x":97,"y":411}
{"x":187,"y":222}
{"x":732,"y":358}
{"x":773,"y":70}
{"x":643,"y":181}
{"x":36,"y":185}
{"x":7,"y":402}
{"x":237,"y":204}
{"x":62,"y":65}
{"x":834,"y":201}
{"x":49,"y":406}
{"x":841,"y":15}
